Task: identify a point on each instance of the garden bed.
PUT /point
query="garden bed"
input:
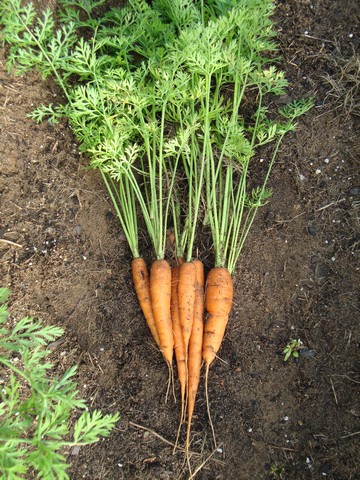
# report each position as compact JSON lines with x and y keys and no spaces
{"x":66,"y":261}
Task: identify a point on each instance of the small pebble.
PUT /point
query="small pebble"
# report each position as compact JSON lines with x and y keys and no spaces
{"x":311,"y":230}
{"x":305,"y":352}
{"x":354,"y":191}
{"x":75,"y":450}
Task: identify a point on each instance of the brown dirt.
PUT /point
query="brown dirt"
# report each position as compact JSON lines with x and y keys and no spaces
{"x":297,"y":278}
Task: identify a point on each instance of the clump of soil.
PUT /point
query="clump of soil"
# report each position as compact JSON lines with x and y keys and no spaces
{"x":66,"y":261}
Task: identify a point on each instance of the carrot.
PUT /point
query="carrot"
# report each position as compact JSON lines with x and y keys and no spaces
{"x":195,"y":345}
{"x":141,"y":281}
{"x":186,"y":290}
{"x":179,"y":347}
{"x":160,"y":289}
{"x":218,"y":302}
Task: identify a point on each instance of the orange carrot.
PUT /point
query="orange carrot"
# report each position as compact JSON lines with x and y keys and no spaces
{"x":160,"y":289}
{"x":141,"y":281}
{"x":186,"y":290}
{"x":195,"y":345}
{"x":179,"y":347}
{"x":218,"y":302}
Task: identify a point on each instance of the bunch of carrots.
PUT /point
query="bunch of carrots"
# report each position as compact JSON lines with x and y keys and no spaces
{"x":171,"y":106}
{"x":173,"y":302}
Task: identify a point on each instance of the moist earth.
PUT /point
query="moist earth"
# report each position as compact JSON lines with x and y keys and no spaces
{"x":66,"y":260}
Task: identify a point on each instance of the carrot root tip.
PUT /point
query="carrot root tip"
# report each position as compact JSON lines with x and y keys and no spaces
{"x":208,"y":404}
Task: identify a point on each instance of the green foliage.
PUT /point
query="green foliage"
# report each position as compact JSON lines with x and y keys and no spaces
{"x":292,"y":349}
{"x":35,"y":407}
{"x":164,"y":92}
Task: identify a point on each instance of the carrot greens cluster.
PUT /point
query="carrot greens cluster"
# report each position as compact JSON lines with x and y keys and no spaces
{"x":171,"y":101}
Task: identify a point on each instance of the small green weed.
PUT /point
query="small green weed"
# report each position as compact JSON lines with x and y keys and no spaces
{"x":34,"y":408}
{"x":277,"y":471}
{"x":292,"y":349}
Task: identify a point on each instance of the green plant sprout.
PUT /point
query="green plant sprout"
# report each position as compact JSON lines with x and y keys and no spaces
{"x":277,"y":471}
{"x":35,"y":407}
{"x":292,"y":349}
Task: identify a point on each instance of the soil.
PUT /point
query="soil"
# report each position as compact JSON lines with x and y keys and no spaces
{"x":66,"y":261}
